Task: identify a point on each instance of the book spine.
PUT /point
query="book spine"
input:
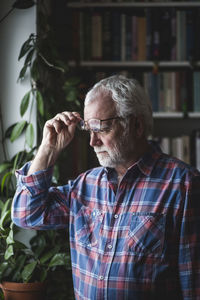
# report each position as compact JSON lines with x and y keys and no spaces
{"x":106,"y":35}
{"x":128,"y":36}
{"x":134,"y":45}
{"x":116,"y":35}
{"x":123,"y":37}
{"x":96,"y":36}
{"x":142,"y":38}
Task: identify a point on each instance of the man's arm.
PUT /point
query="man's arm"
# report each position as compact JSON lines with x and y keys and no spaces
{"x":36,"y":204}
{"x":189,"y":249}
{"x":57,"y":134}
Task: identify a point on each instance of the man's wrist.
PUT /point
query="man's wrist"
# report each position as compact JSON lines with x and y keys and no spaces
{"x":47,"y":154}
{"x":45,"y":158}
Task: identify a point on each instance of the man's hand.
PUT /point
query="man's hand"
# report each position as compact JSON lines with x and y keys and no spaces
{"x":57,"y":134}
{"x":59,"y":131}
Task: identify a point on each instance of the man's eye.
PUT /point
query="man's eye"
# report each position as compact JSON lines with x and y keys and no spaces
{"x":105,"y":127}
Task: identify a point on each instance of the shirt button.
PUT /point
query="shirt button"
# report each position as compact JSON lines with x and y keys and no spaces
{"x":109,"y":246}
{"x":101,"y":277}
{"x":116,"y":216}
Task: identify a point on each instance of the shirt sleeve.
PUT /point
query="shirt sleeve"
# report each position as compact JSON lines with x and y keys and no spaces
{"x":189,"y":247}
{"x":38,"y":205}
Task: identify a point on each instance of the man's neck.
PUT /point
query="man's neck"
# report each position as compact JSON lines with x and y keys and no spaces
{"x":142,"y":148}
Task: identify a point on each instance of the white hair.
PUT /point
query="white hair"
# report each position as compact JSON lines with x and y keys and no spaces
{"x":129,"y":97}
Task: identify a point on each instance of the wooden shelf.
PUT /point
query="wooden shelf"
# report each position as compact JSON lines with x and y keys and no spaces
{"x":134,"y":4}
{"x":138,"y":64}
{"x":176,"y":115}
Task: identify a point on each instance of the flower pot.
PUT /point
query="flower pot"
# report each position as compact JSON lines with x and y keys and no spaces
{"x":23,"y":291}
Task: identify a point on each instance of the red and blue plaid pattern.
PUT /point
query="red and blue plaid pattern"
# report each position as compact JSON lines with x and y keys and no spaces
{"x":138,"y":240}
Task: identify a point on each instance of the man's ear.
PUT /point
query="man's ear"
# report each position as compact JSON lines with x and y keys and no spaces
{"x":139,"y":127}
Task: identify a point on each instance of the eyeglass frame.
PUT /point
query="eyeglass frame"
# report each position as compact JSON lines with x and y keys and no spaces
{"x":82,"y":127}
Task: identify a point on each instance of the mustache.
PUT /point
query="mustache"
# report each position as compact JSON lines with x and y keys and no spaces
{"x":100,"y":149}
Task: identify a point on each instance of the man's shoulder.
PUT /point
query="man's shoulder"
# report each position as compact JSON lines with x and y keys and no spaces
{"x":96,"y":172}
{"x":174,"y":164}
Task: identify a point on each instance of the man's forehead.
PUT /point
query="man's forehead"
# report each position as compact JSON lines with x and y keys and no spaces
{"x":100,"y":108}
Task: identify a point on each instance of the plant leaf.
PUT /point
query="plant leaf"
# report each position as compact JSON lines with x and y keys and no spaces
{"x":9,"y":131}
{"x":23,"y":72}
{"x":6,"y":178}
{"x":38,"y":244}
{"x":25,"y":47}
{"x":29,"y":57}
{"x":9,"y":239}
{"x":3,"y":267}
{"x":43,"y":275}
{"x":72,"y":94}
{"x":48,"y":255}
{"x":40,"y":103}
{"x":28,"y":271}
{"x":24,"y":103}
{"x":5,"y":166}
{"x":7,"y":206}
{"x":19,"y":263}
{"x":17,"y":130}
{"x":9,"y":252}
{"x":23,"y":4}
{"x":59,"y":259}
{"x":72,"y":81}
{"x":30,"y":135}
{"x":4,"y":217}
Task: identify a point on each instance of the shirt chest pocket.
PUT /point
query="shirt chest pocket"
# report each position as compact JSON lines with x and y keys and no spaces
{"x":147,"y":233}
{"x":88,"y":224}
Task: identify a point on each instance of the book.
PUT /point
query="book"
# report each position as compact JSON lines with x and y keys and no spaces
{"x":134,"y":44}
{"x":155,"y":19}
{"x":148,"y":34}
{"x":141,"y":38}
{"x":165,"y":34}
{"x":123,"y":37}
{"x":165,"y":145}
{"x":190,"y":35}
{"x":181,"y":35}
{"x":106,"y":35}
{"x":128,"y":41}
{"x":86,"y":35}
{"x":196,"y":90}
{"x":195,"y":148}
{"x":116,"y":35}
{"x":173,"y":39}
{"x":97,"y":52}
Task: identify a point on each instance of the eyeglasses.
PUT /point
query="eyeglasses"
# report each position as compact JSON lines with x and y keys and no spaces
{"x":97,"y":125}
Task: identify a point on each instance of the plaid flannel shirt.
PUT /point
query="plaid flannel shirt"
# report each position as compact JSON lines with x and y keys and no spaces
{"x":136,"y":240}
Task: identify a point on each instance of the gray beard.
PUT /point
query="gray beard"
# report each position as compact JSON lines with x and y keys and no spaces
{"x":115,"y":156}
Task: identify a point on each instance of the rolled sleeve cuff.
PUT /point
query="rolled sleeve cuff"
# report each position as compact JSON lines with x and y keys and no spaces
{"x":35,"y":183}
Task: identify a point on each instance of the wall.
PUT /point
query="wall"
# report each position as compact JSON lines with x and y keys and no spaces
{"x":14,"y":30}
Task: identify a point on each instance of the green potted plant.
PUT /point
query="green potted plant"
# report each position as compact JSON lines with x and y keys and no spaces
{"x":27,"y":263}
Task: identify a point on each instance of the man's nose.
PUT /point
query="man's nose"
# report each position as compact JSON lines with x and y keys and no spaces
{"x":94,"y":139}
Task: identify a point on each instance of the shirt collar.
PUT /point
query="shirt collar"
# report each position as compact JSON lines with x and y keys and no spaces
{"x":148,"y":161}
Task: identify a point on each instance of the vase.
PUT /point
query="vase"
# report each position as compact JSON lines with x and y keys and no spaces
{"x":23,"y":291}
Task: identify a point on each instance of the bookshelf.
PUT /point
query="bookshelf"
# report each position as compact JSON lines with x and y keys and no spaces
{"x":129,"y":4}
{"x":91,"y":28}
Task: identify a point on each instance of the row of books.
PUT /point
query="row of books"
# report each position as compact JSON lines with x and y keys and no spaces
{"x":173,"y":91}
{"x":185,"y":147}
{"x":139,"y":35}
{"x":168,"y":91}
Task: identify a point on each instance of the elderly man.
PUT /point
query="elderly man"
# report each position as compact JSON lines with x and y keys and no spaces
{"x":134,"y":222}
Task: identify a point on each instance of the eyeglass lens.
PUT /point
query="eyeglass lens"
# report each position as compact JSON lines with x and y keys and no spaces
{"x":95,"y":125}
